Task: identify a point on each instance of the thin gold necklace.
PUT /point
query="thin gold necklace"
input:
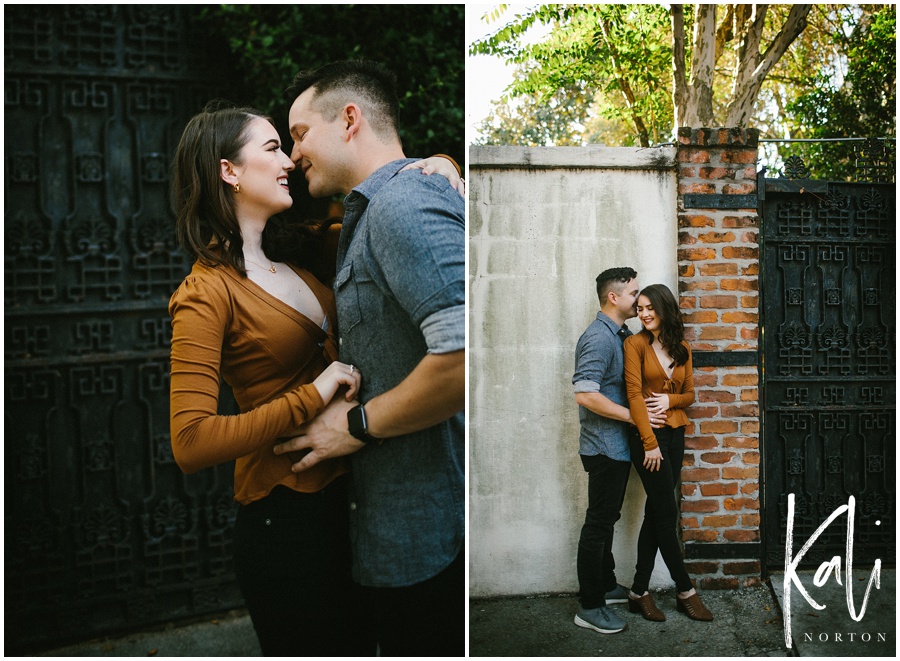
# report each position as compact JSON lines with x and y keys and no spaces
{"x":271,"y":268}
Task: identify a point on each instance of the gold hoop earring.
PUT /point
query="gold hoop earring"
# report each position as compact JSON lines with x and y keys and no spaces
{"x":237,"y":188}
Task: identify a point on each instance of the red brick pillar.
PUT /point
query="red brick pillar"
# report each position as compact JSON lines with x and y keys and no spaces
{"x":718,"y":262}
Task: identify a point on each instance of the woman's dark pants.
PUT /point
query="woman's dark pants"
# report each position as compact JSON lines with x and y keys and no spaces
{"x":292,"y":559}
{"x":660,"y":527}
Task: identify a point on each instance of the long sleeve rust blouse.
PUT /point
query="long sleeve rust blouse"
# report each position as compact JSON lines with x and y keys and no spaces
{"x":644,"y":375}
{"x":226,"y":327}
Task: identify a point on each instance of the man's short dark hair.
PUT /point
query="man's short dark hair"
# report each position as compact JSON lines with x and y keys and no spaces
{"x":369,"y":84}
{"x":607,"y":280}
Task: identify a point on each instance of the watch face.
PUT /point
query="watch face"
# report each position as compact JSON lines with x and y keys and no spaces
{"x":356,"y":423}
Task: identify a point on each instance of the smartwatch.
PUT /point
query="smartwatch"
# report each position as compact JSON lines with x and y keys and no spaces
{"x":357,"y":424}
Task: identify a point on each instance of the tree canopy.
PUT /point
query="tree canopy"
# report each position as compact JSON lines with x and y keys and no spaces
{"x":422,"y":44}
{"x":634,"y":73}
{"x":860,"y":104}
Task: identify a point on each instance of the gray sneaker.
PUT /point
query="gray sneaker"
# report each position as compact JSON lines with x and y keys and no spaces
{"x":618,"y":595}
{"x":600,"y":619}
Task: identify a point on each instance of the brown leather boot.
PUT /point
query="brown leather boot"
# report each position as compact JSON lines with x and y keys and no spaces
{"x":694,"y":608}
{"x":645,"y":606}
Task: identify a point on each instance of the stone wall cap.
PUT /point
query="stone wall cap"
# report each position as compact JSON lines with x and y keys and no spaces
{"x":589,"y":157}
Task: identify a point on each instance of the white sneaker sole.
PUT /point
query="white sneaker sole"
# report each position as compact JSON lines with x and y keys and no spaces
{"x":588,"y":625}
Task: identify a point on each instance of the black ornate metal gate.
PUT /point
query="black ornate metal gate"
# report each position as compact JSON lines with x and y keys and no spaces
{"x":102,"y":530}
{"x":829,"y":364}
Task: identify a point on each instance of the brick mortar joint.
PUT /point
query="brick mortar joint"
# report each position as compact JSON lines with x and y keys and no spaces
{"x":719,"y":249}
{"x":699,"y":496}
{"x":698,"y":232}
{"x":720,"y":292}
{"x":722,"y":229}
{"x":717,"y":280}
{"x":710,"y":243}
{"x":720,"y":497}
{"x":718,"y":216}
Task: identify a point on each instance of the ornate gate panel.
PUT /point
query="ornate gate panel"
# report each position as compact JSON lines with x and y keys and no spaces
{"x":829,"y":363}
{"x":102,"y":530}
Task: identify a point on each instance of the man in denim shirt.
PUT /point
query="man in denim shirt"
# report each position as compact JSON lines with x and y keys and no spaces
{"x":599,"y":382}
{"x":400,"y":290}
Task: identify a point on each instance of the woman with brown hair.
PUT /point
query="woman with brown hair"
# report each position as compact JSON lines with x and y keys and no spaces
{"x":659,"y":379}
{"x":268,"y":329}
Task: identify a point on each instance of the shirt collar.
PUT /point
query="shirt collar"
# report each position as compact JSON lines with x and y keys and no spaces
{"x":356,"y":203}
{"x":373,"y":183}
{"x":609,"y":323}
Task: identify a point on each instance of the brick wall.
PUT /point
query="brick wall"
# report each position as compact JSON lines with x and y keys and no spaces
{"x":718,"y":263}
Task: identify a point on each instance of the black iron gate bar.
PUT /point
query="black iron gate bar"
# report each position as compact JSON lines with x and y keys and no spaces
{"x":827,"y":361}
{"x":874,"y":156}
{"x":822,"y":139}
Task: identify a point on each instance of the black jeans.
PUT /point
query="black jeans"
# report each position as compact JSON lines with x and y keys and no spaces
{"x":660,"y":527}
{"x":424,"y":619}
{"x":292,"y":559}
{"x":607,"y":479}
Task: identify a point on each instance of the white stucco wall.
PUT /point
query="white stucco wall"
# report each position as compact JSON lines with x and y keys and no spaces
{"x":543,"y":222}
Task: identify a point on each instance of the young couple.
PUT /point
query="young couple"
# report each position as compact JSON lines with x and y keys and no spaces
{"x":380,"y":464}
{"x":632,"y":392}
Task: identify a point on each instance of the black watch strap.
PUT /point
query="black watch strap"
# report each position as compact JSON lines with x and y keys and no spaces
{"x":357,"y":424}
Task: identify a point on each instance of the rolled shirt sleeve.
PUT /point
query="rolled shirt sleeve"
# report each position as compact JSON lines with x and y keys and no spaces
{"x":445,"y":331}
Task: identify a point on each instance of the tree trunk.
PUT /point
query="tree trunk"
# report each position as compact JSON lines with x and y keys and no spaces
{"x":753,"y":68}
{"x":698,"y":109}
{"x":725,"y":32}
{"x":679,"y":78}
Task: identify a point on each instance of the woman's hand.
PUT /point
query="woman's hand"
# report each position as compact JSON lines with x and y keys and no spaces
{"x":442,"y":166}
{"x":336,"y":375}
{"x":653,"y":459}
{"x":657,"y":403}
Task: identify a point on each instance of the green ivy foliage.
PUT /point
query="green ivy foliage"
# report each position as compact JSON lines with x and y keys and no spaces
{"x":423,"y":44}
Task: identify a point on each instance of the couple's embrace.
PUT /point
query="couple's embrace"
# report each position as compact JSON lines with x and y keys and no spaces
{"x":349,"y":446}
{"x":632,"y":391}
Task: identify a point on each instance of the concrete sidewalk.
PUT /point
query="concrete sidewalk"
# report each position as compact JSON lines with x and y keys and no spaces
{"x":832,"y":631}
{"x":229,"y":635}
{"x":748,"y":622}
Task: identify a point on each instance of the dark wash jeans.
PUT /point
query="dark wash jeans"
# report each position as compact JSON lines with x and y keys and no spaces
{"x":607,"y":479}
{"x":660,"y":527}
{"x":425,"y":619}
{"x":292,"y":560}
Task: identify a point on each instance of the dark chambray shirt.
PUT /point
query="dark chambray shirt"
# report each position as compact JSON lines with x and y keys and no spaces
{"x":400,"y":290}
{"x":600,"y":367}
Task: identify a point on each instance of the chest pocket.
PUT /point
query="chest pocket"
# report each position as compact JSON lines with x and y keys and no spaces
{"x":346,"y":294}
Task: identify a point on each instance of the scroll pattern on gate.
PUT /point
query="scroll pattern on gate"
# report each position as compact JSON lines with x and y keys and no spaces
{"x":829,"y":356}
